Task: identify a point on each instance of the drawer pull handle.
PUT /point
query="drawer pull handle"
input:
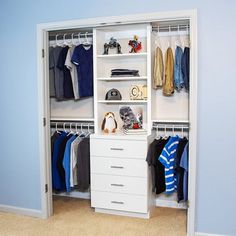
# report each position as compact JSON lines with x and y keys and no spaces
{"x":118,"y":185}
{"x":116,"y":202}
{"x":117,"y":149}
{"x":117,"y":167}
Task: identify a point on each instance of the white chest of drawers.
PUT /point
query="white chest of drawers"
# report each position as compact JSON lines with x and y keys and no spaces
{"x":119,"y":175}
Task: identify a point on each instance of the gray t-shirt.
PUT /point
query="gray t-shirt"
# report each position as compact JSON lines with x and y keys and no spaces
{"x":73,"y":72}
{"x":58,"y":74}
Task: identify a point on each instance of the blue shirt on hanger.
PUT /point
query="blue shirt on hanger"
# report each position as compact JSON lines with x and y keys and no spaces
{"x":83,"y":59}
{"x":56,"y":180}
{"x":184,"y":164}
{"x":167,"y":158}
{"x":66,"y":161}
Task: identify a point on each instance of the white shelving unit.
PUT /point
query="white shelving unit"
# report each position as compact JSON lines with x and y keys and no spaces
{"x":103,"y":64}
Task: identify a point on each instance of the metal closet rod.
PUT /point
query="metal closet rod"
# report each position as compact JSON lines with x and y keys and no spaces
{"x":170,"y":27}
{"x":74,"y":34}
{"x":170,"y":127}
{"x":61,"y":124}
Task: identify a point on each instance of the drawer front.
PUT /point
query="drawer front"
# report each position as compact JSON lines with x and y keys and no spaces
{"x":118,"y":148}
{"x":119,"y":184}
{"x":118,"y":166}
{"x":117,"y":201}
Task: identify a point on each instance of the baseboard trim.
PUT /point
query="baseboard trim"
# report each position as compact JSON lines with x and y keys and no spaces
{"x":21,"y":211}
{"x":206,"y":234}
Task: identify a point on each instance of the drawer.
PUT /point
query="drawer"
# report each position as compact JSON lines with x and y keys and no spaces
{"x":118,"y":148}
{"x":117,"y":201}
{"x":118,"y":166}
{"x":119,"y":184}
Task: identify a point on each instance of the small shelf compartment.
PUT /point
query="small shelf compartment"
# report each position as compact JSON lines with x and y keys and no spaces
{"x":122,"y":101}
{"x":111,"y":79}
{"x":141,"y":54}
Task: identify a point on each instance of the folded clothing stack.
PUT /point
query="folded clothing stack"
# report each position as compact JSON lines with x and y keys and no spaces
{"x":124,"y":72}
{"x":135,"y":131}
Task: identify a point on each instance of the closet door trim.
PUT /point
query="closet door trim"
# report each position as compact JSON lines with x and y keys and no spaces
{"x":43,"y":100}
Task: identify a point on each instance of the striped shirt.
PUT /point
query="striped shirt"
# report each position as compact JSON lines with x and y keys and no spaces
{"x":167,"y":159}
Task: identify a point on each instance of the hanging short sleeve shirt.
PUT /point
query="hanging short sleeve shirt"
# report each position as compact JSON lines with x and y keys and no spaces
{"x":83,"y":59}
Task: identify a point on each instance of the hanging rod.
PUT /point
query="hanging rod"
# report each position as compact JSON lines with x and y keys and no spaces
{"x":170,"y":28}
{"x":75,"y":35}
{"x":170,"y":127}
{"x":70,"y":125}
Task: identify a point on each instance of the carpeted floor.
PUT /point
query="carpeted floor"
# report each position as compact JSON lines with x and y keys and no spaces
{"x":75,"y":217}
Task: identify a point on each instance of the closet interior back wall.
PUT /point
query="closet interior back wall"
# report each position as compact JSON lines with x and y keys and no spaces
{"x":164,"y":35}
{"x":71,"y":108}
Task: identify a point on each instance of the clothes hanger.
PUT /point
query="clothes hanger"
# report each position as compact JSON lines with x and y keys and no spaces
{"x":157,"y":133}
{"x":81,"y":129}
{"x":64,"y":127}
{"x":57,"y":43}
{"x":165,"y":137}
{"x":57,"y":129}
{"x":86,"y":43}
{"x":72,"y":39}
{"x":178,"y":40}
{"x":88,"y":132}
{"x":168,"y":42}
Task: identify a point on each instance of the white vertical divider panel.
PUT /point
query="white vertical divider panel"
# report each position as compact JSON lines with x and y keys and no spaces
{"x":149,"y":79}
{"x":95,"y":88}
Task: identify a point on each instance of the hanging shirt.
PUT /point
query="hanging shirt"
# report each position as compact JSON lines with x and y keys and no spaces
{"x":73,"y":72}
{"x":178,"y":169}
{"x":185,"y":67}
{"x":84,"y":164}
{"x":56,"y":181}
{"x":67,"y":82}
{"x":158,"y":69}
{"x":60,"y":160}
{"x":168,"y":87}
{"x":178,"y":77}
{"x":83,"y":59}
{"x":58,"y":74}
{"x":51,"y":73}
{"x":167,"y":158}
{"x":73,"y":162}
{"x":184,"y":164}
{"x":66,"y":162}
{"x":157,"y":169}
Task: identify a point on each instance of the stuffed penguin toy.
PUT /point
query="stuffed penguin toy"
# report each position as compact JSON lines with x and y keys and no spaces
{"x":109,"y":123}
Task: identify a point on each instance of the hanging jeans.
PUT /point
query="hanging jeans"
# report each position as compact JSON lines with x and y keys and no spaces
{"x":185,"y":67}
{"x":178,"y":77}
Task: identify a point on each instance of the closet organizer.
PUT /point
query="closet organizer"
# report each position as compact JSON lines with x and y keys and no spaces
{"x":123,"y":168}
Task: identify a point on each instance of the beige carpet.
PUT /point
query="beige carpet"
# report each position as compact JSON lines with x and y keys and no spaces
{"x":75,"y":217}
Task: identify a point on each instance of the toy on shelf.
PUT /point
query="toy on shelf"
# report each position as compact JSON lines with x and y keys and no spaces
{"x":135,"y":44}
{"x":109,"y":124}
{"x":112,"y":44}
{"x":131,"y":119}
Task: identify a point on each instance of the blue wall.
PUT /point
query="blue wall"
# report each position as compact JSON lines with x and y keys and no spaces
{"x":19,"y":158}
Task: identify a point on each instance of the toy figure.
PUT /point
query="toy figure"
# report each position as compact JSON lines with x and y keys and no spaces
{"x":112,"y":44}
{"x":109,"y":123}
{"x":136,"y":46}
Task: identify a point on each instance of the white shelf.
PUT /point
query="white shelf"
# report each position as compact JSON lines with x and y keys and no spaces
{"x":171,"y":121}
{"x":123,"y":55}
{"x":110,"y":79}
{"x":164,"y":200}
{"x":122,"y":101}
{"x":70,"y":119}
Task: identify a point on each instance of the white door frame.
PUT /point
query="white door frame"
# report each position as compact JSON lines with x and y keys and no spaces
{"x":43,"y":96}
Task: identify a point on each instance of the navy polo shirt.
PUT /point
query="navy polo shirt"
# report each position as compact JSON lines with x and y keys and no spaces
{"x":83,"y":59}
